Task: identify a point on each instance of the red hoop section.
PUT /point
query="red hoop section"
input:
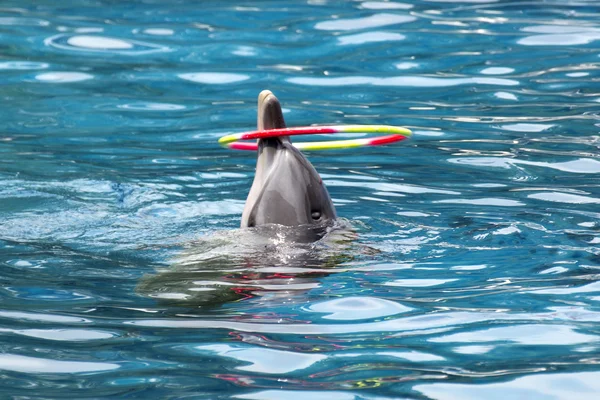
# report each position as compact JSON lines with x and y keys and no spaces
{"x":397,"y":134}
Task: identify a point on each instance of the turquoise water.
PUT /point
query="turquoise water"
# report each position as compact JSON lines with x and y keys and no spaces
{"x":469,"y":269}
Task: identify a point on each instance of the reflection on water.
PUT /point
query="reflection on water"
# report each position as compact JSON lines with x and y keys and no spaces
{"x":470,"y":261}
{"x":273,"y":261}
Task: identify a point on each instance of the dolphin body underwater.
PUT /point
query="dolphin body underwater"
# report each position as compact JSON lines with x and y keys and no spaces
{"x":289,"y":235}
{"x":287,"y":190}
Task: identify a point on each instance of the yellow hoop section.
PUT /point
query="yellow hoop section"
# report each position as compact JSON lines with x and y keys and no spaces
{"x":394,"y":134}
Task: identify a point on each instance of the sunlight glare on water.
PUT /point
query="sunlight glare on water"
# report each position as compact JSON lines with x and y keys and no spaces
{"x":465,"y":264}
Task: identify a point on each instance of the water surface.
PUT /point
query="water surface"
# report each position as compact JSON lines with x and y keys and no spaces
{"x":470,"y":270}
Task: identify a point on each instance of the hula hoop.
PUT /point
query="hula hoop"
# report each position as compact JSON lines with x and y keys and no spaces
{"x":395,"y":134}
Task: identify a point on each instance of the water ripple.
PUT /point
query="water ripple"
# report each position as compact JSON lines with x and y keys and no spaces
{"x":370,"y":37}
{"x":545,"y":386}
{"x":214,"y":78}
{"x":22,"y":65}
{"x":409,"y":81}
{"x":63,"y":77}
{"x":560,"y":35}
{"x":380,"y":5}
{"x":353,"y":308}
{"x":412,"y":323}
{"x":465,"y":260}
{"x":70,"y":335}
{"x":102,"y":44}
{"x":373,"y":21}
{"x":260,"y":360}
{"x":31,"y":365}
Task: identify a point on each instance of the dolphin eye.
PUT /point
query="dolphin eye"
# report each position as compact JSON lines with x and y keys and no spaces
{"x":316,"y":214}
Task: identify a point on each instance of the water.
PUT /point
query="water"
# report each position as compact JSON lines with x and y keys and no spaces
{"x":469,"y":263}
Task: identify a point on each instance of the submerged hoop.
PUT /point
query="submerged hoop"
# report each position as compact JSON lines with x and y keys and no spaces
{"x":395,"y":134}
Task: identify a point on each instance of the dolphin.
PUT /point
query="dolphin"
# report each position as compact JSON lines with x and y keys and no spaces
{"x":293,"y":242}
{"x":287,"y":190}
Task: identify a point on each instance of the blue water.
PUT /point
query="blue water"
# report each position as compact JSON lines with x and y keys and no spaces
{"x":469,"y":260}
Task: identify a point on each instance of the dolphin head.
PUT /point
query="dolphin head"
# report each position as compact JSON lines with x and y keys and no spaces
{"x":287,"y":190}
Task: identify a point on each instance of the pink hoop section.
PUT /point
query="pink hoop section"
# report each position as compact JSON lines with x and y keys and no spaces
{"x":394,"y":134}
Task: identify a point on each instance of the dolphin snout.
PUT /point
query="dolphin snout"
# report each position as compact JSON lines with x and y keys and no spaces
{"x":270,"y":115}
{"x":263,"y":96}
{"x":287,"y":190}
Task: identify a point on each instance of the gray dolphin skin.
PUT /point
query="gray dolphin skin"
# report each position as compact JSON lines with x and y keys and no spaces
{"x":287,"y":190}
